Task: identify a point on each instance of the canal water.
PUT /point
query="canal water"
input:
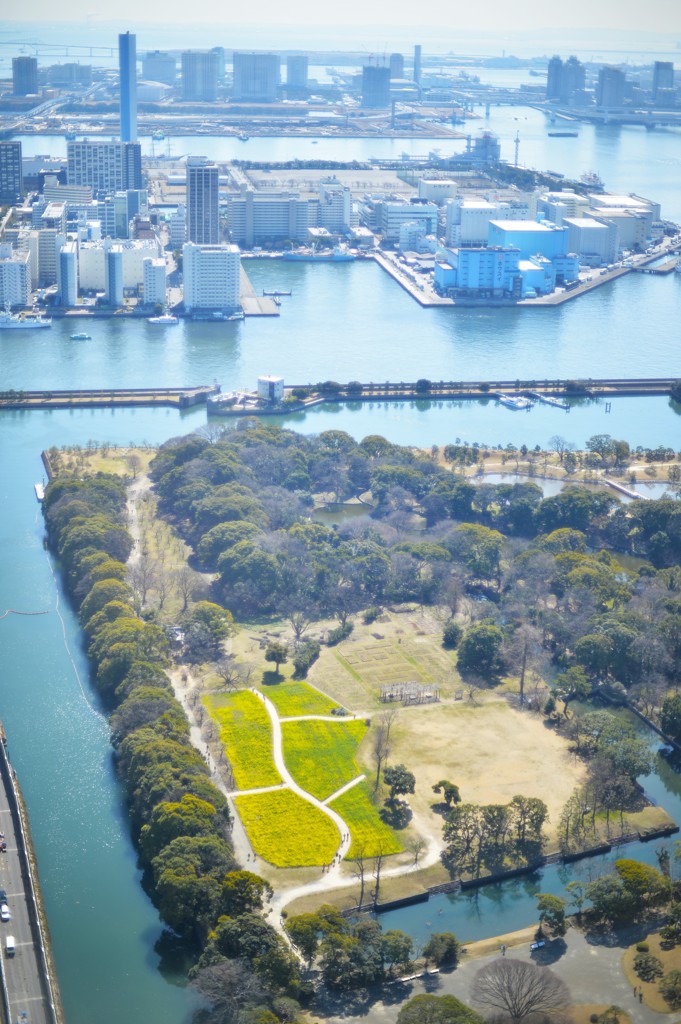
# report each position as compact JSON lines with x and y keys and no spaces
{"x":344,"y":322}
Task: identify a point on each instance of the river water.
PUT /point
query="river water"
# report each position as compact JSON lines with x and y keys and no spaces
{"x":341,"y":322}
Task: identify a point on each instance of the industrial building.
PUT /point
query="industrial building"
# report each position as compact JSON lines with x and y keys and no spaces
{"x":529,"y":237}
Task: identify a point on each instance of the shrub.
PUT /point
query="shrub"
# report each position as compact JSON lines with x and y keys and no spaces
{"x":451,"y":634}
{"x":371,"y":614}
{"x":647,"y":966}
{"x":305,"y":657}
{"x":670,"y":989}
{"x":642,"y":947}
{"x":338,"y":634}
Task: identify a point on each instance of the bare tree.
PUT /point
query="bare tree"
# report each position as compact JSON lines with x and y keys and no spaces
{"x":142,"y":577}
{"x":381,"y":744}
{"x":416,"y":847}
{"x":134,"y":463}
{"x":300,"y":621}
{"x":359,"y":870}
{"x":231,"y":674}
{"x":378,"y":864}
{"x":518,"y":989}
{"x":186,"y":581}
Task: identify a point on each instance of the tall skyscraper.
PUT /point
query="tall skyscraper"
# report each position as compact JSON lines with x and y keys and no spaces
{"x":202,"y":201}
{"x":104,"y":166}
{"x":396,"y":65}
{"x":11,"y":176}
{"x":663,"y":77}
{"x":256,"y":76}
{"x":554,"y":77}
{"x":610,"y":89}
{"x":375,"y":86}
{"x":24,"y":76}
{"x":200,"y":73}
{"x":417,"y":64}
{"x":127,"y":67}
{"x":296,"y":71}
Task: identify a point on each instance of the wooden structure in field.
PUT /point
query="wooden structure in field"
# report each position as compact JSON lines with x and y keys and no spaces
{"x":410,"y":693}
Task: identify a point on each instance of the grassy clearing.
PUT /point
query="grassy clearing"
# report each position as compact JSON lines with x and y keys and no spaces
{"x":321,"y":755}
{"x":291,"y":699}
{"x":370,"y":835}
{"x":246,"y":735}
{"x":671,"y":961}
{"x":286,"y":830}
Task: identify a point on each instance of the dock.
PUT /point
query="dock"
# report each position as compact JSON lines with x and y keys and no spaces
{"x":253,"y":304}
{"x":665,"y":268}
{"x":179,"y":398}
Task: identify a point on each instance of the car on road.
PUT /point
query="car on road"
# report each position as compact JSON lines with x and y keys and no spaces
{"x":5,"y":913}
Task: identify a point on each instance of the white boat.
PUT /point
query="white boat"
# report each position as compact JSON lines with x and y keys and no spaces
{"x":514,"y":401}
{"x":164,"y":320}
{"x":17,"y":322}
{"x":81,"y":336}
{"x":39,"y":491}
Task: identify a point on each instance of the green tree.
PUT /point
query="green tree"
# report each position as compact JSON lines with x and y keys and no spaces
{"x":670,"y":989}
{"x":572,"y":685}
{"x":396,"y":949}
{"x":304,"y":931}
{"x":452,"y":633}
{"x":244,"y":891}
{"x":450,"y":792}
{"x":400,"y":780}
{"x":670,"y":716}
{"x":442,"y":949}
{"x":480,"y":650}
{"x":428,"y":1009}
{"x":276,"y":652}
{"x":552,"y":913}
{"x":188,"y":817}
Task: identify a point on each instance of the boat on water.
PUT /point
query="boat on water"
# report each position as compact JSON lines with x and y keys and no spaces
{"x":158,"y":136}
{"x":563,"y":135}
{"x":39,"y":491}
{"x":593,"y":180}
{"x":81,"y":336}
{"x":19,"y":322}
{"x":339,"y":254}
{"x":163,"y":320}
{"x":514,"y":401}
{"x":242,"y":137}
{"x":70,"y":135}
{"x":557,"y":403}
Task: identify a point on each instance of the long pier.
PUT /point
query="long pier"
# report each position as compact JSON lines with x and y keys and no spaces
{"x":609,"y":387}
{"x":101,"y":398}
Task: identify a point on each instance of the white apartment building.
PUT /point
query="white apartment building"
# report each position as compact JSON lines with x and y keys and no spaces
{"x":212,"y":277}
{"x":256,"y":217}
{"x":394,"y":214}
{"x":177,"y":226}
{"x":15,"y":277}
{"x":67,"y":273}
{"x":154,"y":281}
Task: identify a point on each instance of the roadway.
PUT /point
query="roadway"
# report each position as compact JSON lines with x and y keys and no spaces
{"x":24,"y":973}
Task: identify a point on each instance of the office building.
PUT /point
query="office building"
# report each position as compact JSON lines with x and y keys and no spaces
{"x":296,"y":72}
{"x":115,"y":212}
{"x":554,"y":75}
{"x":395,"y":213}
{"x":24,"y":76}
{"x":159,"y":66}
{"x":177,"y":226}
{"x":114,"y":286}
{"x":11,"y":172}
{"x":104,"y":166}
{"x":335,"y":206}
{"x":15,"y":277}
{"x":200,"y":74}
{"x":375,"y":86}
{"x":154,"y":281}
{"x":396,"y":65}
{"x":212,"y":277}
{"x":74,"y":75}
{"x":203,"y":224}
{"x":127,"y":67}
{"x":256,"y":217}
{"x":256,"y":77}
{"x":67,"y":274}
{"x":611,"y":87}
{"x":663,"y":78}
{"x":219,"y":52}
{"x":417,"y":65}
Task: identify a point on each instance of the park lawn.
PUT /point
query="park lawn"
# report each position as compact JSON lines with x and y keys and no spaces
{"x":369,"y":833}
{"x":286,"y":830}
{"x":671,"y":961}
{"x":292,"y":699}
{"x":321,"y":755}
{"x":246,"y":735}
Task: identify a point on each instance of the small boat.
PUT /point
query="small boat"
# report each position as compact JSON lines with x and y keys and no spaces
{"x":39,"y":491}
{"x":158,"y":136}
{"x":563,"y":135}
{"x":514,"y":401}
{"x":242,"y":137}
{"x":81,"y":336}
{"x":164,"y":320}
{"x":592,"y":180}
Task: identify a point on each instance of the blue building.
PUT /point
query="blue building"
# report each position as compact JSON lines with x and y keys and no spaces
{"x":127,"y":66}
{"x":485,"y":272}
{"x":530,"y":237}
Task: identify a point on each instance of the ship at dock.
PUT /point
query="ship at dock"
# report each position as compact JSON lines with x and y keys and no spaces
{"x":339,"y":254}
{"x":19,"y":322}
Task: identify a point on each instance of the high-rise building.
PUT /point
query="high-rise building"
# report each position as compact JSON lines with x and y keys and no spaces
{"x":417,"y":64}
{"x":67,"y":273}
{"x":396,"y":65}
{"x":127,"y":67}
{"x":15,"y":276}
{"x":200,"y":73}
{"x":611,"y":86}
{"x":256,"y":77}
{"x":573,"y":80}
{"x":24,"y":76}
{"x":375,"y":86}
{"x":663,"y":77}
{"x":202,"y":201}
{"x":11,"y":175}
{"x":219,"y":51}
{"x":105,"y":166}
{"x":212,"y":277}
{"x":296,"y":71}
{"x":155,"y":281}
{"x":158,"y":66}
{"x":554,"y":76}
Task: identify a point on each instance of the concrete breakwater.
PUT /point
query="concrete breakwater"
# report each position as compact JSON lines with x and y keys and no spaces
{"x":180,"y":398}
